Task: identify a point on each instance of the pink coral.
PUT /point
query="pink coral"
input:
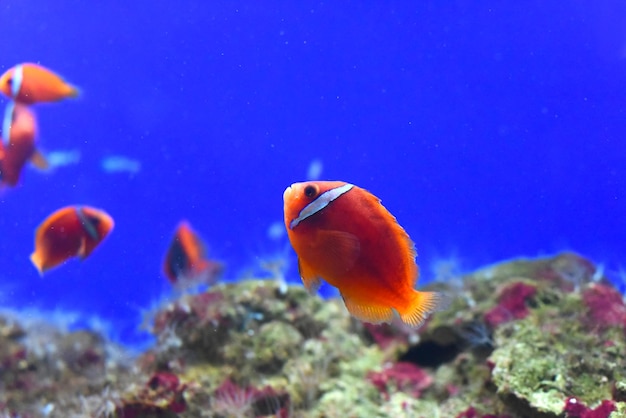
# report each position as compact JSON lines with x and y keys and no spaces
{"x":468,"y":413}
{"x":606,"y":307}
{"x":511,"y":304}
{"x":384,"y":335}
{"x":402,"y":376}
{"x":576,"y":409}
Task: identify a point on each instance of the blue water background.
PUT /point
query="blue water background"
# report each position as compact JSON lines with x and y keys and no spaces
{"x":489,"y":129}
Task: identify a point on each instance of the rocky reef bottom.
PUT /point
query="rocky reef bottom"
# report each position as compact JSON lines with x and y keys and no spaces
{"x":525,"y":338}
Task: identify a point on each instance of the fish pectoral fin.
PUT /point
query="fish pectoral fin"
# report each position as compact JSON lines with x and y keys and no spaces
{"x":367,"y":312}
{"x":39,"y":160}
{"x":422,"y":305}
{"x":344,"y":246}
{"x":82,"y":250}
{"x":310,"y":280}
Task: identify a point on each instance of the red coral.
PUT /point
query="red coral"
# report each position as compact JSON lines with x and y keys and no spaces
{"x":576,"y":409}
{"x":201,"y":308}
{"x":162,"y":394}
{"x":402,"y":376}
{"x":471,"y":413}
{"x":204,"y":305}
{"x":385,"y":334}
{"x":468,"y":413}
{"x":606,"y":307}
{"x":511,"y":304}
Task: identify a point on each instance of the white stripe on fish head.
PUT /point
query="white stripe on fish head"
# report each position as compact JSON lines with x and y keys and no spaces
{"x":18,"y":78}
{"x":89,"y":226}
{"x":320,"y":203}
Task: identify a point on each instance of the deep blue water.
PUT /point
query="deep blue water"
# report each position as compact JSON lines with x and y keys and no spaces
{"x":490,"y":131}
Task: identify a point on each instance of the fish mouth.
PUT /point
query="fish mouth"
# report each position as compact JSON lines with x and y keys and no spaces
{"x":287,"y":193}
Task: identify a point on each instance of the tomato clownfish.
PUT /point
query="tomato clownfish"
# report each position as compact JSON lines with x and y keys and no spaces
{"x":343,"y":234}
{"x":31,"y":83}
{"x":186,"y":262}
{"x":73,"y":231}
{"x":19,"y":130}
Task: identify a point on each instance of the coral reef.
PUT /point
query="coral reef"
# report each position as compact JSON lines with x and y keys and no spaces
{"x":525,"y":338}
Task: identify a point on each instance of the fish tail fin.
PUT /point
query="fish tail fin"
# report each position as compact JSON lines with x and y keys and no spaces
{"x":74,"y":91}
{"x":37,"y":261}
{"x":422,"y":305}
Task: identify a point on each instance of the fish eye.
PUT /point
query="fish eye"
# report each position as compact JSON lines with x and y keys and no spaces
{"x":310,"y":191}
{"x":10,"y":81}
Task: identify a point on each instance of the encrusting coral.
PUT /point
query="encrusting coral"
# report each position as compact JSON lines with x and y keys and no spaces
{"x":541,"y":338}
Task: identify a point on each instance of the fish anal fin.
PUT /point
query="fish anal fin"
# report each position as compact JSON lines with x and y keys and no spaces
{"x":422,"y":305}
{"x":367,"y":312}
{"x":310,"y":279}
{"x":39,"y":160}
{"x":344,"y":248}
{"x":37,"y":260}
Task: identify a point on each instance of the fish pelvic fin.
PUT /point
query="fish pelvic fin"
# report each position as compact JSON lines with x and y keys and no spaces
{"x":422,"y":305}
{"x":365,"y":312}
{"x":309,"y":278}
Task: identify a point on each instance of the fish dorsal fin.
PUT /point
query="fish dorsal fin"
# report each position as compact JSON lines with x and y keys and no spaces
{"x":309,"y":278}
{"x":39,"y":160}
{"x":343,"y":246}
{"x":366,"y":312}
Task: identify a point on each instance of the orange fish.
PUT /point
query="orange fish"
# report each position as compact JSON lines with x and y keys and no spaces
{"x":19,"y":129}
{"x":73,"y":231}
{"x":185,"y":261}
{"x":31,"y":83}
{"x":342,"y":234}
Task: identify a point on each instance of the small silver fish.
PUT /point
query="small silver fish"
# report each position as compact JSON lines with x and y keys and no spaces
{"x":120,"y":164}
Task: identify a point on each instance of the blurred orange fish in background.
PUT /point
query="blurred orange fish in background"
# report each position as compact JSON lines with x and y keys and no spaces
{"x":344,"y":235}
{"x":186,"y":262}
{"x":19,"y":130}
{"x":31,"y":83}
{"x":73,"y":231}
